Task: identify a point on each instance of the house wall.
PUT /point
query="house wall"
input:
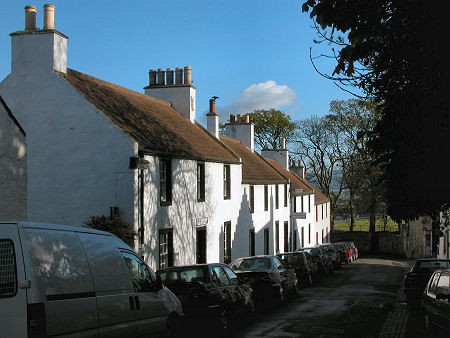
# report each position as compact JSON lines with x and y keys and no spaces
{"x":13,"y":169}
{"x":323,"y":222}
{"x":309,"y":239}
{"x":414,"y":237}
{"x":185,"y":213}
{"x":77,"y":159}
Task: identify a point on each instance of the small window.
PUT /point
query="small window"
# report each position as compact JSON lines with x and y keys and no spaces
{"x":277,"y":196}
{"x":295,"y":204}
{"x":226,"y":182}
{"x":252,"y":242}
{"x":266,"y":198}
{"x":165,"y":248}
{"x":200,"y":182}
{"x":8,"y":275}
{"x":266,"y":242}
{"x":301,"y":203}
{"x":285,"y":195}
{"x":252,"y":198}
{"x":165,"y":181}
{"x":227,"y":242}
{"x":317,"y":214}
{"x":277,"y":236}
{"x":309,"y":203}
{"x":309,"y":232}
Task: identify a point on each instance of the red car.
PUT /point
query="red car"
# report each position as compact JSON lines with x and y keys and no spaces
{"x":344,"y":247}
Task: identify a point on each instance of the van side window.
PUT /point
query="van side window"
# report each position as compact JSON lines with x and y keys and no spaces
{"x":432,"y":288}
{"x":140,"y":273}
{"x":8,"y":276}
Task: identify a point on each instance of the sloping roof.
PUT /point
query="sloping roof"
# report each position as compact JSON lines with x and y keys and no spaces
{"x":302,"y":183}
{"x":157,"y":127}
{"x":296,"y":182}
{"x":255,"y":169}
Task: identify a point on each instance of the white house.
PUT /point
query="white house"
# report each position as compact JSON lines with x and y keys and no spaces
{"x":94,"y":148}
{"x":13,"y":166}
{"x":265,"y":215}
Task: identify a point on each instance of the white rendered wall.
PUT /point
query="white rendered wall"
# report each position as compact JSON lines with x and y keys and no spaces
{"x":323,"y":222}
{"x":13,"y":170}
{"x":182,"y":98}
{"x":309,"y":231}
{"x":186,"y":213}
{"x":77,"y":159}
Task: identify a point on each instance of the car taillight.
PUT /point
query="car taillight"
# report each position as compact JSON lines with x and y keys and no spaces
{"x":37,"y":324}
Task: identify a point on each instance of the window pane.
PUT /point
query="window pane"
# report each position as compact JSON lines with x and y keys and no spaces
{"x":139,"y":271}
{"x":8,"y":278}
{"x":221,"y":275}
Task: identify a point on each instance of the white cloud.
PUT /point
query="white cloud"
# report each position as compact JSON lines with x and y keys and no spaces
{"x":263,"y":95}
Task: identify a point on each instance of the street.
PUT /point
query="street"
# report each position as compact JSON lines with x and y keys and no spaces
{"x":354,"y":301}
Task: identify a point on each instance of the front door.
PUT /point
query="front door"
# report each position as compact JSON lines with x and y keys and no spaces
{"x":13,"y":295}
{"x":201,"y":245}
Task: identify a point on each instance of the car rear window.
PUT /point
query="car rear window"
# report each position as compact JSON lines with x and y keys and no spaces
{"x":8,"y":276}
{"x":188,"y":275}
{"x":251,"y":264}
{"x":293,"y":259}
{"x":430,"y":266}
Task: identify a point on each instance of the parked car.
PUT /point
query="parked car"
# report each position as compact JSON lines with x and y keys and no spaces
{"x":335,"y":256}
{"x":209,"y":291}
{"x":305,"y":269}
{"x":268,"y":276}
{"x":416,"y":280}
{"x":343,"y":252}
{"x":349,"y":250}
{"x":436,"y":302}
{"x":321,"y":258}
{"x":58,"y":280}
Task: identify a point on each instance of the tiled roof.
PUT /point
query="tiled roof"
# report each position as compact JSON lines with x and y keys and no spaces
{"x":157,"y":127}
{"x":302,"y":183}
{"x":255,"y":169}
{"x":296,"y":182}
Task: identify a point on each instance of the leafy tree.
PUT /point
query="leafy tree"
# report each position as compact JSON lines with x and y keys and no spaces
{"x":114,"y":225}
{"x":271,"y":126}
{"x":392,"y":50}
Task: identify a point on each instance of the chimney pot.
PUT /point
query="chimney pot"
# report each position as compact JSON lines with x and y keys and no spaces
{"x":212,"y":106}
{"x":179,"y":76}
{"x":30,"y":17}
{"x":299,"y":163}
{"x":187,"y":75}
{"x":161,"y":77}
{"x":247,"y":118}
{"x":49,"y":16}
{"x":169,"y":76}
{"x":283,"y":143}
{"x":239,"y":118}
{"x":232,"y":118}
{"x":152,"y":77}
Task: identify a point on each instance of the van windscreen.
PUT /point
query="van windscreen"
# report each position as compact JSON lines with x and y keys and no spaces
{"x":8,"y":277}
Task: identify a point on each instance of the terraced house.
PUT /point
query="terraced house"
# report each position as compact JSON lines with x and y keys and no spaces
{"x":95,"y":148}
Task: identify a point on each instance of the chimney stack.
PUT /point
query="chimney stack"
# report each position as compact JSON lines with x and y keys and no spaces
{"x":49,"y":16}
{"x":30,"y":18}
{"x":169,"y":76}
{"x":232,"y":118}
{"x":152,"y":77}
{"x":179,"y":76}
{"x":280,"y":155}
{"x":187,"y":75}
{"x":161,"y":77}
{"x":241,"y":129}
{"x":212,"y":119}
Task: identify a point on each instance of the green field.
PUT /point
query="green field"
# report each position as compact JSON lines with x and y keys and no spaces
{"x":362,"y":224}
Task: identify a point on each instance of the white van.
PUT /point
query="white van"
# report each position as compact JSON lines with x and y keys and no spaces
{"x":58,"y":280}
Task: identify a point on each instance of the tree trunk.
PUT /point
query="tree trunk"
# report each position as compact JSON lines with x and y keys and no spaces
{"x":372,"y":210}
{"x":352,"y":211}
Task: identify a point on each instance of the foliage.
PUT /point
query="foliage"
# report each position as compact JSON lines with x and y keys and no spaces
{"x":392,"y":50}
{"x":114,"y":225}
{"x":363,"y":224}
{"x":271,"y":126}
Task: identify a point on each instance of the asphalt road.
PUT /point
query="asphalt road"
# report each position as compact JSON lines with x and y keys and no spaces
{"x":354,"y":301}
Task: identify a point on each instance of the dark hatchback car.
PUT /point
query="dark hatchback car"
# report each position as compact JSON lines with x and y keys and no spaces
{"x":209,"y":291}
{"x":343,"y":252}
{"x":416,"y":280}
{"x":436,"y":303}
{"x":305,"y":269}
{"x":335,"y":256}
{"x":269,"y":276}
{"x":321,"y":258}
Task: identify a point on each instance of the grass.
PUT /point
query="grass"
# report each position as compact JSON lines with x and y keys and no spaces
{"x":362,"y":224}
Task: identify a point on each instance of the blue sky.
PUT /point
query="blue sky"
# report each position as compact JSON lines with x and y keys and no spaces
{"x":252,"y":53}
